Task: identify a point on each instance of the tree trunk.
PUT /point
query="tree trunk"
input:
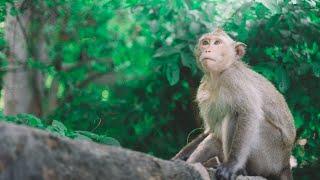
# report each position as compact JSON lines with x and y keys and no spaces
{"x":29,"y":154}
{"x":22,"y":85}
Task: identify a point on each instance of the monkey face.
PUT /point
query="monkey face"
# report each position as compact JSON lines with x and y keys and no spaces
{"x":217,"y":51}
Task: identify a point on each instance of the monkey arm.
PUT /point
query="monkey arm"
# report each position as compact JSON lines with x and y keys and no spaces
{"x":245,"y":132}
{"x":208,"y":148}
{"x":187,"y":150}
{"x":242,"y":136}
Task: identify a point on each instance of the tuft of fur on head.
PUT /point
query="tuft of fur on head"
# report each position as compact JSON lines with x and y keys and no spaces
{"x":220,"y":32}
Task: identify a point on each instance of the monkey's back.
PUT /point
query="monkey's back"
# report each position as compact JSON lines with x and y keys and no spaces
{"x":274,"y":106}
{"x":277,"y":131}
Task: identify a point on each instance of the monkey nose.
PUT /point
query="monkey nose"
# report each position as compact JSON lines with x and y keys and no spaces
{"x":208,"y":51}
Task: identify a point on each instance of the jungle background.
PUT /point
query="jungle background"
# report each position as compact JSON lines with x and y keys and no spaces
{"x":122,"y":72}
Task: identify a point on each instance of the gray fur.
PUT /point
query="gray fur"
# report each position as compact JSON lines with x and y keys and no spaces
{"x":245,"y":112}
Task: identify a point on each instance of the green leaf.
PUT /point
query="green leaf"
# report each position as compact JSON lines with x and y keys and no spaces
{"x":264,"y":70}
{"x":188,"y":60}
{"x":27,"y":119}
{"x":165,"y":51}
{"x":99,"y":138}
{"x":303,"y":68}
{"x":316,"y":69}
{"x":194,"y":28}
{"x":298,"y":120}
{"x":59,"y":125}
{"x":261,"y":10}
{"x":58,"y":128}
{"x":109,"y":141}
{"x":282,"y":79}
{"x":3,"y":56}
{"x":81,"y":137}
{"x":172,"y":73}
{"x":270,"y":4}
{"x":88,"y":134}
{"x":168,"y":51}
{"x":13,"y":11}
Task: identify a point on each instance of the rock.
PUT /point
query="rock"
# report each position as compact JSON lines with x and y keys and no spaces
{"x":30,"y":154}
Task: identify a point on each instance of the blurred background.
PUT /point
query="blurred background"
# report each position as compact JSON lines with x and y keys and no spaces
{"x":123,"y":72}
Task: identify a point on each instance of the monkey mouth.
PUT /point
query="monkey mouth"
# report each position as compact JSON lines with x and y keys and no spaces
{"x":208,"y":59}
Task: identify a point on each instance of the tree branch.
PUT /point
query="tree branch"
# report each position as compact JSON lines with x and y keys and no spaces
{"x":23,"y":29}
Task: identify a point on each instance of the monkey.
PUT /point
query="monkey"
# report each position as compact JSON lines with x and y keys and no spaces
{"x":208,"y":154}
{"x":186,"y":151}
{"x":249,"y":123}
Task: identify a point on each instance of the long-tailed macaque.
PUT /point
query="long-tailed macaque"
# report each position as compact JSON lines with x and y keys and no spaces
{"x":249,"y":124}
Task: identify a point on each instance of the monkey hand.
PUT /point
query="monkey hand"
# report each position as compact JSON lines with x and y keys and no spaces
{"x":228,"y":171}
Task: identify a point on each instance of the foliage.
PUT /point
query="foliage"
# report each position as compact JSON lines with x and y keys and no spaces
{"x":59,"y":129}
{"x":126,"y":68}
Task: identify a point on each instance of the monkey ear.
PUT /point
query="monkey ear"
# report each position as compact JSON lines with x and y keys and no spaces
{"x":240,"y":49}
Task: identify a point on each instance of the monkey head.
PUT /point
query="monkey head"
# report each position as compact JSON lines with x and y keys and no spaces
{"x":216,"y":51}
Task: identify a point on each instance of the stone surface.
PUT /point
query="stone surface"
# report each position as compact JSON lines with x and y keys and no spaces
{"x":31,"y":154}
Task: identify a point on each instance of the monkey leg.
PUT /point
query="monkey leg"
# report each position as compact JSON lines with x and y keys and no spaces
{"x":207,"y":149}
{"x":187,"y":150}
{"x":212,"y":162}
{"x":286,"y":174}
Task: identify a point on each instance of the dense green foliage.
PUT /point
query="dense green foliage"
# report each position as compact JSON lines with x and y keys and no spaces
{"x":59,"y":129}
{"x":125,"y":68}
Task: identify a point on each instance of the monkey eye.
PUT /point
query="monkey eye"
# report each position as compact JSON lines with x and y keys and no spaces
{"x":205,"y":42}
{"x":217,"y":42}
